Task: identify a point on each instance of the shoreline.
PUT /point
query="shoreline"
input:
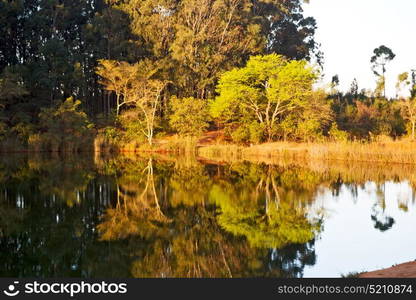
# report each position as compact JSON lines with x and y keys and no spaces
{"x":392,"y":152}
{"x":404,"y":270}
{"x":400,"y":152}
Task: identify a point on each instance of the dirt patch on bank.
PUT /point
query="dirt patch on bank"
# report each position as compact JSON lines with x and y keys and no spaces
{"x":406,"y":270}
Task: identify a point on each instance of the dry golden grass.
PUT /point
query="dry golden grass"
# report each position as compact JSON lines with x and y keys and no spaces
{"x":403,"y":152}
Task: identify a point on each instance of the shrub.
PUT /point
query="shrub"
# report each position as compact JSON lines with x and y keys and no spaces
{"x":190,"y":116}
{"x":134,"y":127}
{"x":309,"y":130}
{"x":240,"y":135}
{"x":257,"y":132}
{"x":336,"y":134}
{"x":64,"y":128}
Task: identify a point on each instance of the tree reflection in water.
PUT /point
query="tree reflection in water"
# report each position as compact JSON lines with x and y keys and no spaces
{"x":144,"y":217}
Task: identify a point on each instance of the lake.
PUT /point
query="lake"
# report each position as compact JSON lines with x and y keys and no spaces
{"x":161,"y":216}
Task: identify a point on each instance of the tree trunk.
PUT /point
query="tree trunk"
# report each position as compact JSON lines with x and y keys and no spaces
{"x":118,"y":105}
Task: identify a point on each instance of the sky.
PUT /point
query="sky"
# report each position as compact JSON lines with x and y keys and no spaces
{"x":362,"y":246}
{"x":349,"y":31}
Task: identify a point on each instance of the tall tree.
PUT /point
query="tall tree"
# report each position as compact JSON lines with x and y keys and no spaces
{"x":382,"y":56}
{"x":354,"y":88}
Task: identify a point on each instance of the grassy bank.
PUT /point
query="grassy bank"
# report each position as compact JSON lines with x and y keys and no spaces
{"x":403,"y":152}
{"x":212,"y":147}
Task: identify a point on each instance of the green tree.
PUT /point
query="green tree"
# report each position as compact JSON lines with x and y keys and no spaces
{"x":266,"y":90}
{"x":134,"y":86}
{"x":311,"y":121}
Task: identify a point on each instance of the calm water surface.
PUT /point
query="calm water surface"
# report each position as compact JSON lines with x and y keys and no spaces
{"x":175,"y":217}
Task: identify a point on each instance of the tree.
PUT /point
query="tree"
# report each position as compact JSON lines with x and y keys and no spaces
{"x":402,"y":82}
{"x":10,"y":87}
{"x":288,"y":32}
{"x":134,"y":86}
{"x":354,"y":88}
{"x":190,"y":116}
{"x":311,"y":121}
{"x":213,"y":36}
{"x":198,"y":40}
{"x":413,"y":84}
{"x":65,"y":127}
{"x":264,"y":91}
{"x":408,"y":109}
{"x":334,"y":84}
{"x":120,"y":78}
{"x":382,"y":56}
{"x":148,"y":101}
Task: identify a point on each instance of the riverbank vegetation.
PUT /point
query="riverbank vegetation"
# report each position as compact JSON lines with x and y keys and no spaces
{"x":145,"y":76}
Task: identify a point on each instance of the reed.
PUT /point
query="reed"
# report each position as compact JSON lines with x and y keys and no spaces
{"x":403,"y":152}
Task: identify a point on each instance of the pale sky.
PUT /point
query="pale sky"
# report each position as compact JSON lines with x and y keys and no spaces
{"x":349,"y":30}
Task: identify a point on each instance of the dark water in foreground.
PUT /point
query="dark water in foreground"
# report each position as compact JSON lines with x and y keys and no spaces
{"x":142,"y":217}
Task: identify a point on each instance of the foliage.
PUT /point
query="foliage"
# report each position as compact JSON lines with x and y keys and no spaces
{"x":266,"y":215}
{"x":189,"y":116}
{"x":266,"y":90}
{"x":130,"y":61}
{"x":132,"y":126}
{"x":64,"y":128}
{"x":336,"y":134}
{"x":134,"y":86}
{"x":408,"y":110}
{"x":241,"y":134}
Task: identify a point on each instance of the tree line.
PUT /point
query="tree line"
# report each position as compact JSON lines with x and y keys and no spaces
{"x":136,"y":69}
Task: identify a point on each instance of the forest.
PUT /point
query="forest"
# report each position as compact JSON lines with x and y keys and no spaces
{"x":153,"y":74}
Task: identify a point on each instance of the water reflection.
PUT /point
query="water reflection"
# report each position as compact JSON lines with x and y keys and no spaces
{"x":164,"y":217}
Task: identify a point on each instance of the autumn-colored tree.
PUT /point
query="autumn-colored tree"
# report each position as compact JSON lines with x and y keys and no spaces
{"x":408,"y":109}
{"x":120,"y":78}
{"x":148,"y":101}
{"x":134,"y":86}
